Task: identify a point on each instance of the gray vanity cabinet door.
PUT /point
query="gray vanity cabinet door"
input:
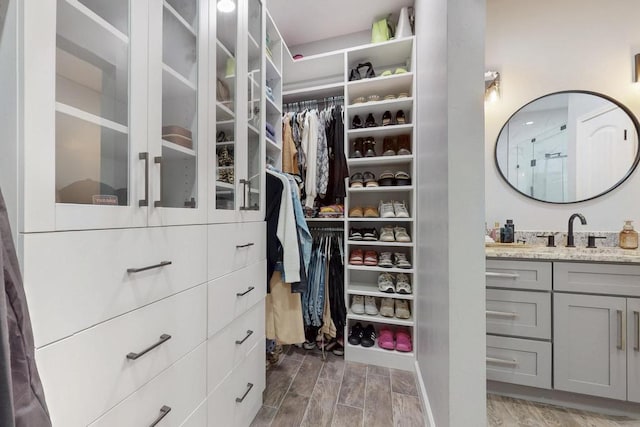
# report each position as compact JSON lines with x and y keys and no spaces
{"x":633,"y":349}
{"x":589,"y":345}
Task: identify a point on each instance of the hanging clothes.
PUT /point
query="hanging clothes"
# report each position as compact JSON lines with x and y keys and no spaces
{"x":289,"y":150}
{"x":283,"y":310}
{"x":338,"y":169}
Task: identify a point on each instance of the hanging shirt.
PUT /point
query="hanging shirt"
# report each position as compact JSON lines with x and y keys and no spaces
{"x":322,"y":178}
{"x":310,"y":146}
{"x":289,"y":151}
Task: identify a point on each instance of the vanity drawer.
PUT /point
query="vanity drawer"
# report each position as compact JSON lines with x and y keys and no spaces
{"x":237,"y":400}
{"x":520,"y":313}
{"x":180,"y":388}
{"x":74,"y":280}
{"x":231,"y":295}
{"x":534,"y":275}
{"x":610,"y":279}
{"x":230,"y":346}
{"x":519,"y":361}
{"x":87,"y":374}
{"x":235,"y":246}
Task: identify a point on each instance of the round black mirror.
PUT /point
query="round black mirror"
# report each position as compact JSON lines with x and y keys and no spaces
{"x":568,"y":147}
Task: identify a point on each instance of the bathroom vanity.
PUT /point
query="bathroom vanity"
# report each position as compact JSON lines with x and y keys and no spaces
{"x":564,"y":320}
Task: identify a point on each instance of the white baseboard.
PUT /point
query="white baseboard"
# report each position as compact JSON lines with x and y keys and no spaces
{"x":424,"y":398}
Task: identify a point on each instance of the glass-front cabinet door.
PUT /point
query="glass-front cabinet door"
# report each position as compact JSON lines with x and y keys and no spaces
{"x":223,"y":171}
{"x":177,"y":111}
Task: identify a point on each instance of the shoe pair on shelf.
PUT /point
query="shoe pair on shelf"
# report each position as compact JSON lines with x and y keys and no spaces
{"x":389,"y":178}
{"x":388,"y":120}
{"x":394,"y":234}
{"x":398,"y":308}
{"x":361,"y":304}
{"x":370,"y":122}
{"x":393,"y":209}
{"x":359,"y":257}
{"x":364,"y":336}
{"x":366,"y":234}
{"x":366,"y":212}
{"x":400,"y":145}
{"x":400,"y":341}
{"x":399,"y":285}
{"x":366,"y":179}
{"x":362,"y":99}
{"x":363,"y":147}
{"x":396,"y":259}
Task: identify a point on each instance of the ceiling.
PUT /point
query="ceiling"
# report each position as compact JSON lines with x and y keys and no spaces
{"x":304,"y":21}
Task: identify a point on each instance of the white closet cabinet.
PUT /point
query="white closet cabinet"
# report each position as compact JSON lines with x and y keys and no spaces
{"x":115,"y":112}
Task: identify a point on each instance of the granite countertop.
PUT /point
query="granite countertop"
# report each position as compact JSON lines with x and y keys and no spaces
{"x":561,"y":253}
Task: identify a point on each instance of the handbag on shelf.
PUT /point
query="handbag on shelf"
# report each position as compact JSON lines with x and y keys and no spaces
{"x":354,"y":73}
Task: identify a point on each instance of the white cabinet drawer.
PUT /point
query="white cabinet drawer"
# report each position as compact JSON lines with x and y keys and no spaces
{"x":75,"y":280}
{"x":610,"y":279}
{"x":87,"y":374}
{"x":235,"y":246}
{"x":519,"y":313}
{"x":230,"y":346}
{"x":172,"y":395}
{"x":535,"y":275}
{"x":231,"y":295}
{"x":238,"y":399}
{"x":519,"y":361}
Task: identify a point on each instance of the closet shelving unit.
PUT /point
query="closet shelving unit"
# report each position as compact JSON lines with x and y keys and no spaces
{"x":324,"y":75}
{"x":274,"y":48}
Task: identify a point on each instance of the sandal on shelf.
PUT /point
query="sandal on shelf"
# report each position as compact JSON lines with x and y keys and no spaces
{"x":400,"y":119}
{"x":373,"y":98}
{"x":356,"y":212}
{"x":357,"y":148}
{"x":369,"y":147}
{"x":402,"y":284}
{"x":371,"y":258}
{"x":358,"y":100}
{"x":404,"y":145}
{"x":356,"y":180}
{"x":386,"y":234}
{"x":386,"y":179}
{"x":403,"y":95}
{"x":369,"y":179}
{"x":389,"y":97}
{"x":356,"y":257}
{"x":389,"y":146}
{"x":356,"y":123}
{"x":385,"y":339}
{"x":371,"y":212}
{"x":386,"y":73}
{"x":402,"y":178}
{"x":403,"y":342}
{"x":400,"y":70}
{"x":386,"y":118}
{"x":355,"y":234}
{"x":370,"y":122}
{"x":401,"y":234}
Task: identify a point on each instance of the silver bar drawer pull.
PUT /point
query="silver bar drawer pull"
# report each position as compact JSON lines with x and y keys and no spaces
{"x":496,"y":361}
{"x":163,"y":339}
{"x":249,"y":387}
{"x":245,"y":245}
{"x":636,"y":321}
{"x":502,"y":314}
{"x":249,"y":333}
{"x":150,"y":267}
{"x":241,"y":294}
{"x":163,"y":413}
{"x":620,"y":338}
{"x":502,"y":275}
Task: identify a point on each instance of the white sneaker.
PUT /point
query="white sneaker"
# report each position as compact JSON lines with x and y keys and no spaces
{"x":386,"y":210}
{"x":402,"y":309}
{"x":370,"y":306}
{"x":357,"y":304}
{"x":386,"y":307}
{"x":400,"y":210}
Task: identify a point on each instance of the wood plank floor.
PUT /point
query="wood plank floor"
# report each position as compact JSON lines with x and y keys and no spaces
{"x":304,"y":390}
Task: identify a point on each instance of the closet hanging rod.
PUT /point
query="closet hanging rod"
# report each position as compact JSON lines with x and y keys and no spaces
{"x":331,"y":229}
{"x":313,"y":103}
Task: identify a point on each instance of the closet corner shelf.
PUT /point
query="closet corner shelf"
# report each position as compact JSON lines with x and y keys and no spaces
{"x":386,"y":85}
{"x":176,"y":152}
{"x":180,"y":19}
{"x":380,"y":160}
{"x":381,"y":243}
{"x":271,"y":105}
{"x":91,"y":118}
{"x":379,"y":269}
{"x":372,"y":290}
{"x":382,"y":189}
{"x":382,"y":131}
{"x":379,"y":319}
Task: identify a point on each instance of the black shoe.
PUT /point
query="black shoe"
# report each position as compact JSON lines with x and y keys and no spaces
{"x":368,"y":336}
{"x":355,"y":335}
{"x":400,"y":119}
{"x":356,"y":123}
{"x":370,"y":122}
{"x":370,"y":234}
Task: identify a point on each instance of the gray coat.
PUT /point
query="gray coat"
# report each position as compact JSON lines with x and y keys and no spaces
{"x":22,"y":401}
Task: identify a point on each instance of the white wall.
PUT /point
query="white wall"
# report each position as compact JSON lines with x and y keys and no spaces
{"x":546,"y":46}
{"x":451,"y":302}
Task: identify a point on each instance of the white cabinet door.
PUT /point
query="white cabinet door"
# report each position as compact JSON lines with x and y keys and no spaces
{"x":177,"y":119}
{"x":83,"y":114}
{"x":633,"y":349}
{"x":589,"y":345}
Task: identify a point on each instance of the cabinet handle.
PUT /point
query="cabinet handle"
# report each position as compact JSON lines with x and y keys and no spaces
{"x":163,"y":413}
{"x":245,"y":292}
{"x":246,"y":245}
{"x":502,"y":361}
{"x":636,"y":321}
{"x":249,"y":387}
{"x":244,"y":183}
{"x":249,"y":333}
{"x":158,"y":161}
{"x":138,"y":270}
{"x":620,"y":338}
{"x":145,"y":201}
{"x":501,"y":314}
{"x":163,"y":339}
{"x":502,"y":275}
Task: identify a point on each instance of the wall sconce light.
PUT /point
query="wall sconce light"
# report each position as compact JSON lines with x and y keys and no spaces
{"x":491,"y":86}
{"x":636,"y":77}
{"x":226,"y":6}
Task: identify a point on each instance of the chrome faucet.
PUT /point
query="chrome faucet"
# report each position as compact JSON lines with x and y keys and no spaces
{"x":583,"y":220}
